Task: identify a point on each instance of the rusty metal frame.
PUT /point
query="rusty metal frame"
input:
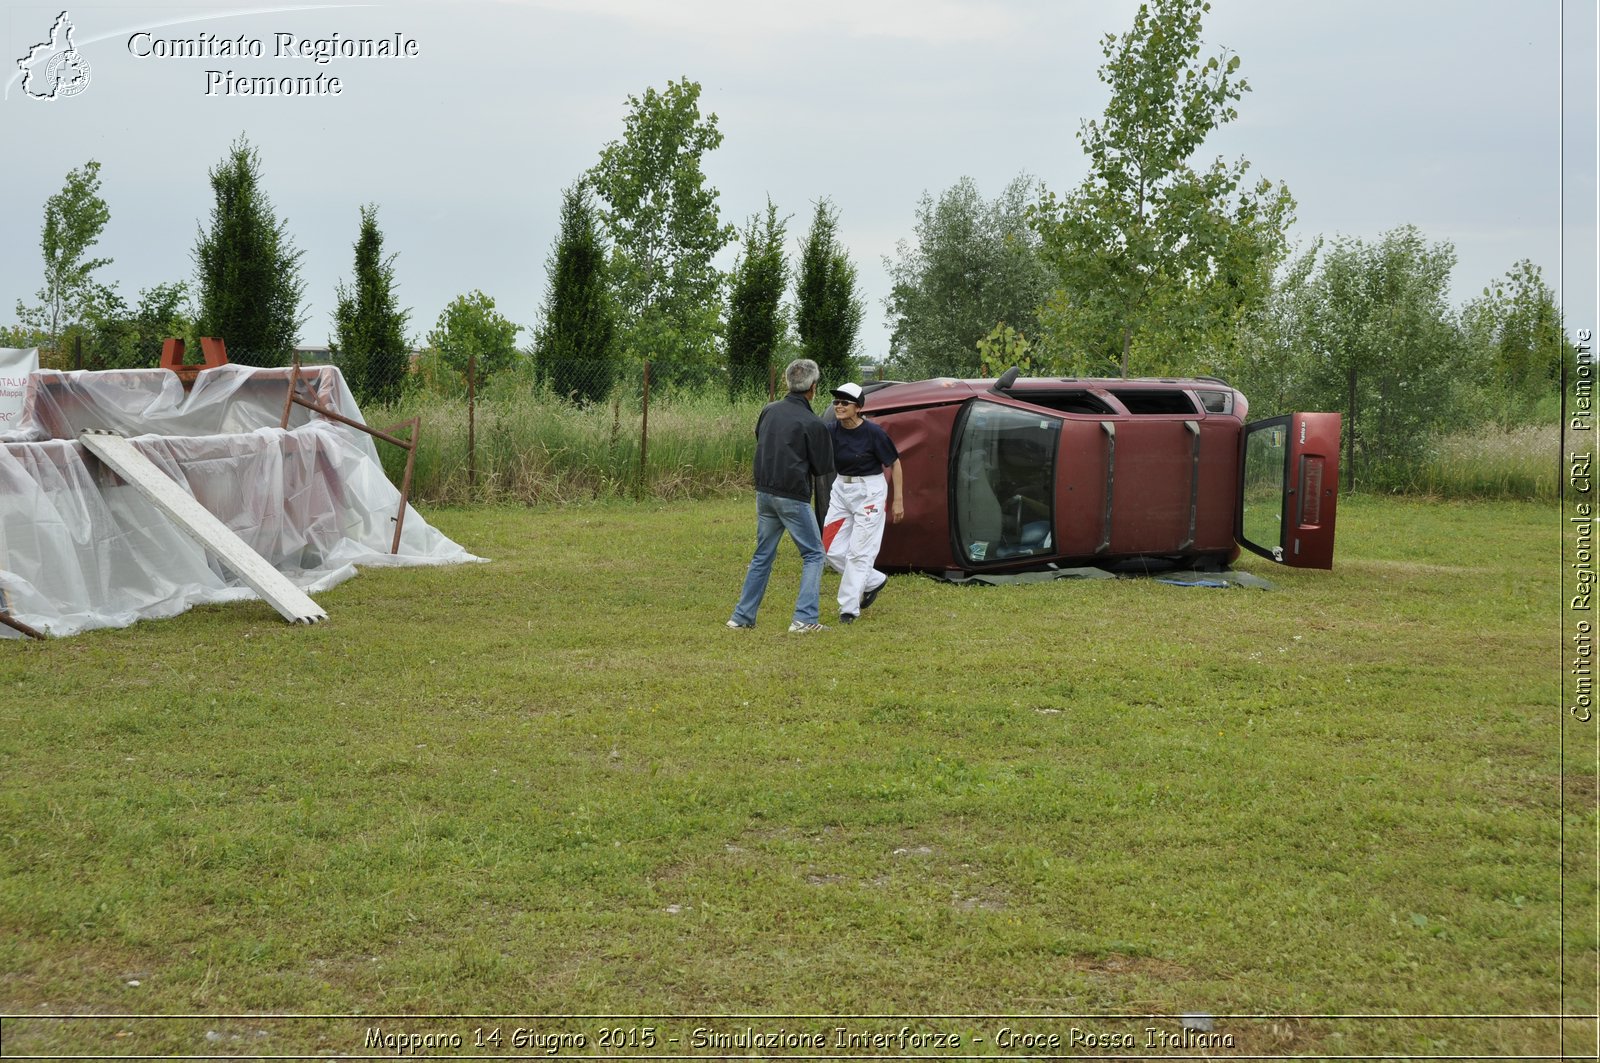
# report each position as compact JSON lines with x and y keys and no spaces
{"x":214,"y":351}
{"x":12,"y":622}
{"x":293,"y":399}
{"x":16,"y":625}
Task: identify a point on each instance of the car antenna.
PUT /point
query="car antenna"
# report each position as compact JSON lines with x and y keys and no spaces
{"x":1007,"y":378}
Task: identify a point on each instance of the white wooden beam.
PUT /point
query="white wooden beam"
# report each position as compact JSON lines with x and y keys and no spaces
{"x":203,"y":526}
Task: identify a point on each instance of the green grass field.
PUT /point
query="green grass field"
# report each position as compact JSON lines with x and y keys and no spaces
{"x":557,"y":784}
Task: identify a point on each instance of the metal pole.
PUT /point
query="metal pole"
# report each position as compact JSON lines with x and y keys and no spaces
{"x":644,"y":429}
{"x":12,"y":622}
{"x":472,"y":427}
{"x":335,"y":415}
{"x":1350,"y":440}
{"x":405,"y":482}
{"x":288,"y":400}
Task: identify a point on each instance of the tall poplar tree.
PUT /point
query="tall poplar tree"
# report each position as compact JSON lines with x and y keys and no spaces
{"x":369,"y":328}
{"x":664,"y":226}
{"x":247,"y":270}
{"x":1157,"y":261}
{"x":73,"y":220}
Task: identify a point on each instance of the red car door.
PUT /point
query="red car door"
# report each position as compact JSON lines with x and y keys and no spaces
{"x":1289,"y":488}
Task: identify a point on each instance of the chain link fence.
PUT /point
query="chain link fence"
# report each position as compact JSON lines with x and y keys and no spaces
{"x":560,"y":431}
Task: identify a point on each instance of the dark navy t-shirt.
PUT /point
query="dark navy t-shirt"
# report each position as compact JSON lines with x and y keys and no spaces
{"x":862,"y":450}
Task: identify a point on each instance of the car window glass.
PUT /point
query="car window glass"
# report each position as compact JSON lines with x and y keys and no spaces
{"x":1004,"y":482}
{"x":1140,"y":401}
{"x":1068,"y":401}
{"x":1266,"y":457}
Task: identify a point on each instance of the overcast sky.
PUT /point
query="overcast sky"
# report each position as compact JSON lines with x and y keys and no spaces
{"x":1450,"y":115}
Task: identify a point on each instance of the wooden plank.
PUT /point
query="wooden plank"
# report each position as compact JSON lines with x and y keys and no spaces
{"x":203,"y":527}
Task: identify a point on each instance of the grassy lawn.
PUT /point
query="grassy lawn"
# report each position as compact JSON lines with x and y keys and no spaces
{"x":557,"y":784}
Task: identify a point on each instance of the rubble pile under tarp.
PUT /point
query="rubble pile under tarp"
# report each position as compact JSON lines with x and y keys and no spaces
{"x":81,"y":549}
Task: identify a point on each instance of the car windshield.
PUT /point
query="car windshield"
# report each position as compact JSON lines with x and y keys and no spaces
{"x":1004,"y":476}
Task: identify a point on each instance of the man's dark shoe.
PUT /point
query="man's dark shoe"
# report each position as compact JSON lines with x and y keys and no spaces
{"x":847,"y":618}
{"x":871,"y":596}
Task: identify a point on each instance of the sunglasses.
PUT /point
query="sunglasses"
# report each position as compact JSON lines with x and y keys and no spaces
{"x":843,"y":402}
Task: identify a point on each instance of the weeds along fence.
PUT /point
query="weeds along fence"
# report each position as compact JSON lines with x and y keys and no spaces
{"x":655,"y":431}
{"x":1487,"y":462}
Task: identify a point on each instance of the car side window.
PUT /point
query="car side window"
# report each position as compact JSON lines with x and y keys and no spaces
{"x":1003,"y":476}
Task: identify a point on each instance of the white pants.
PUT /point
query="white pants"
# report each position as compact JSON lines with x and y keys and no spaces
{"x":852,"y":534}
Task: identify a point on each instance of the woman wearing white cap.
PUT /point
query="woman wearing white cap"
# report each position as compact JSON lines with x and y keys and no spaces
{"x":853,"y":529}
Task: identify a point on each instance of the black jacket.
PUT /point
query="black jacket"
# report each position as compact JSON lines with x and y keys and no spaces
{"x":791,"y":448}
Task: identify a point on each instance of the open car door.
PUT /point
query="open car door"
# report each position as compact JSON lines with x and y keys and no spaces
{"x":1289,"y":489}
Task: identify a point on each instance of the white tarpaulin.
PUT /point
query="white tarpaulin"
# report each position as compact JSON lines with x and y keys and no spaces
{"x":15,"y":365}
{"x":80,"y":549}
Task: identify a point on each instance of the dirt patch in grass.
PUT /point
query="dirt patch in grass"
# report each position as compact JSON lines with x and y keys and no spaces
{"x":983,"y":902}
{"x":1133,"y":966}
{"x":85,"y":979}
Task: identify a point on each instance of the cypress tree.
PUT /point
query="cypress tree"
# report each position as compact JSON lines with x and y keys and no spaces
{"x":574,"y":348}
{"x":247,"y":269}
{"x":370,"y":329}
{"x":756,"y":322}
{"x":829,"y":312}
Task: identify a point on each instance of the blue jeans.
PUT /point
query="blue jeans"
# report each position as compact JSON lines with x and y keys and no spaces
{"x":774,"y":516}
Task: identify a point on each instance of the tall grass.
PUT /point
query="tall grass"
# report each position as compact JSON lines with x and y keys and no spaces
{"x":533,"y":447}
{"x":1486,"y":462}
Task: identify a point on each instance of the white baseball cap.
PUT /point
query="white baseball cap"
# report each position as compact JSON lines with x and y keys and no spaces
{"x":849,"y":393}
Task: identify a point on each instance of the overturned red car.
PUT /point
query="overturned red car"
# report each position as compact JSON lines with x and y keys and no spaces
{"x":1014,"y":474}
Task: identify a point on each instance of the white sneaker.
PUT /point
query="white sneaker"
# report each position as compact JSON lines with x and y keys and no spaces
{"x":797,"y":628}
{"x":738,"y":626}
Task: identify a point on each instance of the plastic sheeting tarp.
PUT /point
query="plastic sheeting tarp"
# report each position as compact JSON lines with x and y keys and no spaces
{"x":15,"y":365}
{"x":1218,"y":578}
{"x":80,"y":549}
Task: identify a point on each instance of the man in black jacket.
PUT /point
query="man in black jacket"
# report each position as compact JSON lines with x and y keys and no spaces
{"x":792,"y":449}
